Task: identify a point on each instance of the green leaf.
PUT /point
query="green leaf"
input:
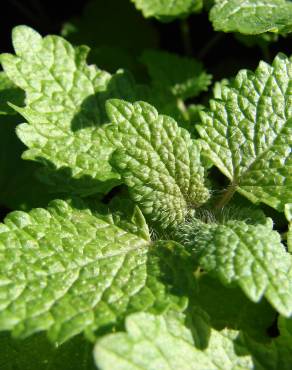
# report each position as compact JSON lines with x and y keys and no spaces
{"x":247,"y":255}
{"x":288,"y":213}
{"x":68,"y":269}
{"x":37,"y":353}
{"x":252,"y":17}
{"x":65,"y":110}
{"x":157,"y":160}
{"x":166,"y":10}
{"x":277,"y":353}
{"x":184,"y":77}
{"x":62,"y":107}
{"x":9,"y":93}
{"x":163,"y":342}
{"x":219,"y":86}
{"x":233,"y":309}
{"x":247,"y":133}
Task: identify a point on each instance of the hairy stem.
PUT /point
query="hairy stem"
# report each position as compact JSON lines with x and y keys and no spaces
{"x":226,"y":197}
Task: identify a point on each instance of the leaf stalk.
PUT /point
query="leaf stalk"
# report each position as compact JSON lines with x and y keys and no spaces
{"x":226,"y":197}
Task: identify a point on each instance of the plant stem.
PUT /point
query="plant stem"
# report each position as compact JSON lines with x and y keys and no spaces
{"x":186,"y":37}
{"x":182,"y":107}
{"x":210,"y":44}
{"x":227,"y":195}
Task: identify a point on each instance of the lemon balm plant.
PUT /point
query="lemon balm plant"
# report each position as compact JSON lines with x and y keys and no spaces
{"x":126,"y":249}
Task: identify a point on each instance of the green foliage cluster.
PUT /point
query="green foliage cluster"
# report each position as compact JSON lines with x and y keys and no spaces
{"x":125,"y":249}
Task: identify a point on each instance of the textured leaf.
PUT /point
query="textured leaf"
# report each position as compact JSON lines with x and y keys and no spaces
{"x":252,"y":17}
{"x":62,"y":107}
{"x":166,"y":10}
{"x":163,"y":342}
{"x":65,"y":110}
{"x":219,"y":86}
{"x":68,"y":270}
{"x":250,"y":256}
{"x":288,"y":213}
{"x":247,"y":133}
{"x":184,"y":77}
{"x":37,"y":353}
{"x":158,"y":161}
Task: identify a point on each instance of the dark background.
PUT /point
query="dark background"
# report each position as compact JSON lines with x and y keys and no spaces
{"x":46,"y":16}
{"x":222,"y":54}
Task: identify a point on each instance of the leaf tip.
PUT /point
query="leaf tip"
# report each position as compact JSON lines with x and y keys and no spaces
{"x":25,"y":39}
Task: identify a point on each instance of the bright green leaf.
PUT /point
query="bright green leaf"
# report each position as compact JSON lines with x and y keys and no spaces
{"x":158,"y":161}
{"x":163,"y":342}
{"x":248,"y":133}
{"x":62,"y":107}
{"x":184,"y":77}
{"x":166,"y":10}
{"x":219,"y":86}
{"x":65,"y":100}
{"x":68,"y":269}
{"x":252,"y":17}
{"x":250,"y":256}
